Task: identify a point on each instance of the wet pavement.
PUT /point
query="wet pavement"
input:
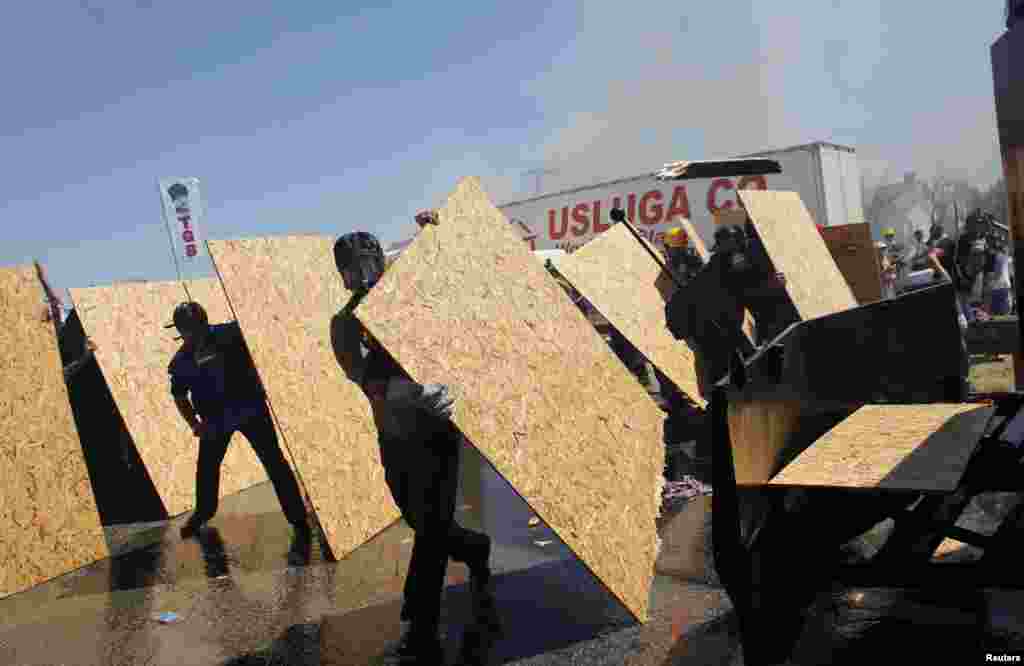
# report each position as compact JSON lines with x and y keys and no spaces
{"x":237,"y":594}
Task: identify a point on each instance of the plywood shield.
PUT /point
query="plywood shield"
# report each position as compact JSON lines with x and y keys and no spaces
{"x":622,"y":280}
{"x":920,"y":448}
{"x":286,"y":292}
{"x":126,"y":321}
{"x":761,"y":431}
{"x":539,"y":392}
{"x":813,"y":281}
{"x":49,"y":523}
{"x":854,"y":253}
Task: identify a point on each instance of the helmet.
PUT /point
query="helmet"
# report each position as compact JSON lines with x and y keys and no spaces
{"x":360,"y":253}
{"x":189,"y":317}
{"x":677,"y":237}
{"x":889,"y":232}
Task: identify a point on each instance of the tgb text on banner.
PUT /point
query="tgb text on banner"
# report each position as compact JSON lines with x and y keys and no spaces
{"x":182,"y":203}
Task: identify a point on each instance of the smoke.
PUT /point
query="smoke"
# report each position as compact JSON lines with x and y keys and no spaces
{"x":635,"y":89}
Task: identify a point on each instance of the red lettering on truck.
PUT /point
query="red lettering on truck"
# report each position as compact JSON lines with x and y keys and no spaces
{"x":552,"y":215}
{"x":680,"y":204}
{"x":580,"y":220}
{"x":652,"y":214}
{"x":752,"y":183}
{"x":630,"y":205}
{"x":599,"y":226}
{"x":716,"y":185}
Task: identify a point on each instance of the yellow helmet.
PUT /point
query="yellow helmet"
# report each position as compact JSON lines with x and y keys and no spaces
{"x":889,"y":232}
{"x":676,"y":237}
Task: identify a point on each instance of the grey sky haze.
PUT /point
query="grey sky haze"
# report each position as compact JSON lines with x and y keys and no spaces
{"x":301,"y":118}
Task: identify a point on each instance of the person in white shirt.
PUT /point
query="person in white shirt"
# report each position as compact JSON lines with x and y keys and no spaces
{"x":1000,"y":282}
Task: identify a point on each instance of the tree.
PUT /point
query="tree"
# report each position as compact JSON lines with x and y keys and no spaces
{"x":994,"y":201}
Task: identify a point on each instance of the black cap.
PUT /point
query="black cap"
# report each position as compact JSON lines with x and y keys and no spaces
{"x":188,"y":316}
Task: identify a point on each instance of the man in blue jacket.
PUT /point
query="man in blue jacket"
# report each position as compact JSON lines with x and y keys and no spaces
{"x":218,"y":392}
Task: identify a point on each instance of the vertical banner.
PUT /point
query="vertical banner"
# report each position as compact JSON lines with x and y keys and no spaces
{"x":182,"y":204}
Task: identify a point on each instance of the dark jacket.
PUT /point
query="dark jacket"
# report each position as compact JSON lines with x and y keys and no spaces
{"x":229,"y":378}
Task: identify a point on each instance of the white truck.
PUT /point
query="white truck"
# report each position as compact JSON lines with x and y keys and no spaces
{"x":825,"y":175}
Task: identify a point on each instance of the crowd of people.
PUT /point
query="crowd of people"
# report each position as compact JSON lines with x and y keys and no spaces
{"x":978,"y":263}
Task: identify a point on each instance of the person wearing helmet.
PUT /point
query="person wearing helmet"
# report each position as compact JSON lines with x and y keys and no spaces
{"x":218,"y":392}
{"x":419,"y":448}
{"x":682,"y":257}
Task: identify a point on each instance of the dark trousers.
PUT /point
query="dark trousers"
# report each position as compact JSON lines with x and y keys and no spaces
{"x":423,"y":477}
{"x":259,"y":430}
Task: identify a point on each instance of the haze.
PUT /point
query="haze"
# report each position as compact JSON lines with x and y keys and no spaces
{"x":302,"y":118}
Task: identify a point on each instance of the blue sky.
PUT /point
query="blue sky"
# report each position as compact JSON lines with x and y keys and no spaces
{"x":301,"y":117}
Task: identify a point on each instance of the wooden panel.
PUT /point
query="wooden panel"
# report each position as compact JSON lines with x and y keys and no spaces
{"x":893,"y":447}
{"x":540,"y":393}
{"x":126,"y":321}
{"x":286,"y":292}
{"x":760,"y":431}
{"x":854,"y":253}
{"x":795,"y":247}
{"x":49,"y":524}
{"x":618,"y":276}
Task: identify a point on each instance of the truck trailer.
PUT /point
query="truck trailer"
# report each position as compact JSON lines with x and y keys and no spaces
{"x":826,"y":176}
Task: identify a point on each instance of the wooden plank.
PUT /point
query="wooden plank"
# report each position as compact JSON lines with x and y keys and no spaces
{"x":540,"y":394}
{"x":49,"y":523}
{"x":286,"y":291}
{"x":126,"y":321}
{"x":855,"y":254}
{"x":760,"y":431}
{"x":617,"y":275}
{"x":795,"y":248}
{"x":921,"y":448}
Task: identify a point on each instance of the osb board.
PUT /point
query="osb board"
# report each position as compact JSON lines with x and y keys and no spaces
{"x":619,"y":277}
{"x":286,"y":290}
{"x":855,"y":254}
{"x":796,"y":249}
{"x":49,"y":523}
{"x":921,"y":448}
{"x":126,"y":321}
{"x":539,"y":392}
{"x":759,"y":431}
